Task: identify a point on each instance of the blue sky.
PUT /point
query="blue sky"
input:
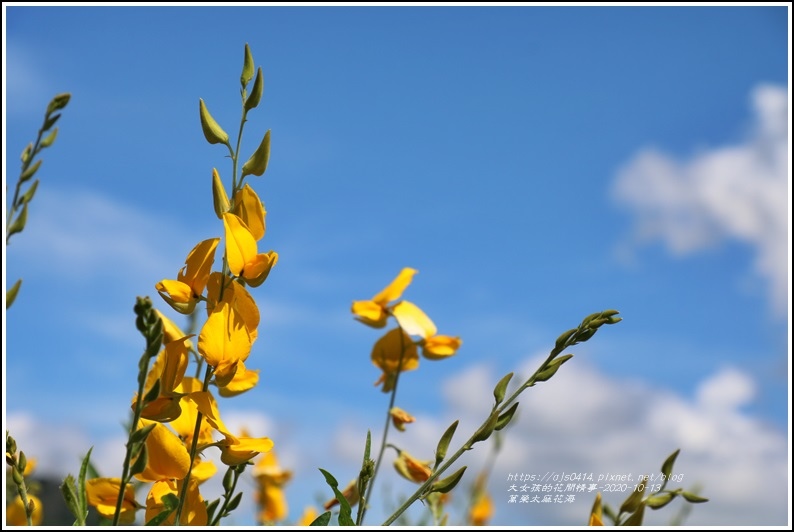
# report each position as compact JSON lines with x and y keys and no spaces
{"x":534,"y":164}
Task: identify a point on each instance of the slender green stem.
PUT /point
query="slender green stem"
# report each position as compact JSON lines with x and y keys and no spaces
{"x":227,"y":497}
{"x":362,"y":510}
{"x":193,"y":451}
{"x":582,"y":333}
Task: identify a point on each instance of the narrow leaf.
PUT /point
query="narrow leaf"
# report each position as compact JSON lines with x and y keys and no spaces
{"x":667,"y":466}
{"x":443,"y":443}
{"x":32,"y":169}
{"x":501,"y":388}
{"x":11,"y":293}
{"x":691,"y":497}
{"x":506,"y":417}
{"x":322,"y":520}
{"x":446,"y":484}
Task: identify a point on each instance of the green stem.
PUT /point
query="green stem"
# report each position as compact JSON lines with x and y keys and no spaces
{"x":227,"y":497}
{"x":582,"y":333}
{"x":193,"y":451}
{"x":362,"y":509}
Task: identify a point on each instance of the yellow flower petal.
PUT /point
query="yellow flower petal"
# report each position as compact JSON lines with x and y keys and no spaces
{"x":441,"y":346}
{"x":198,"y":265}
{"x":243,"y":380}
{"x":240,"y":244}
{"x":370,"y":313}
{"x":413,"y":320}
{"x":244,"y":449}
{"x":395,"y":288}
{"x":273,"y":503}
{"x":482,"y":510}
{"x":268,"y":469}
{"x":16,"y":515}
{"x":177,"y":294}
{"x":250,"y":210}
{"x":194,"y":512}
{"x":414,"y":470}
{"x":102,"y":493}
{"x":224,"y":340}
{"x":390,"y":347}
{"x":400,"y":417}
{"x":167,"y":456}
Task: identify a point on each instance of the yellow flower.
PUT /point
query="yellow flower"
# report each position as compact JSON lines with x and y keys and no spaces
{"x":183,"y":293}
{"x":194,"y":512}
{"x":243,"y":380}
{"x":15,"y":512}
{"x":237,"y":296}
{"x":224,"y":341}
{"x":308,"y":517}
{"x":234,"y":450}
{"x":416,"y":323}
{"x":167,"y":456}
{"x":595,"y":513}
{"x":185,"y":424}
{"x":241,"y":252}
{"x":250,"y":210}
{"x":270,"y":497}
{"x":414,"y":470}
{"x":375,"y":311}
{"x":387,"y":353}
{"x":168,"y":370}
{"x":102,"y":493}
{"x":400,"y":417}
{"x":482,"y":510}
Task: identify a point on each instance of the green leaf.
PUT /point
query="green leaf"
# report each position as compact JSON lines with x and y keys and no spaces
{"x":345,"y":512}
{"x":19,"y":223}
{"x":235,"y":502}
{"x":140,"y":461}
{"x":69,"y":492}
{"x":635,"y":519}
{"x":633,"y":501}
{"x":28,"y":195}
{"x":11,"y":293}
{"x":81,"y":493}
{"x":552,"y":367}
{"x":152,"y":394}
{"x":563,"y":339}
{"x":141,"y":434}
{"x":248,"y":67}
{"x":501,"y":388}
{"x":32,"y":169}
{"x":485,"y":431}
{"x":505,"y":417}
{"x":443,"y":443}
{"x":447,"y":484}
{"x":211,"y":507}
{"x":257,"y":164}
{"x":667,"y":466}
{"x":170,"y":502}
{"x":660,"y":500}
{"x":691,"y":497}
{"x":256,"y":91}
{"x":322,"y":520}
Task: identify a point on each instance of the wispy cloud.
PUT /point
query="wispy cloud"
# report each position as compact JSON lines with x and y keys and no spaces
{"x":736,"y":192}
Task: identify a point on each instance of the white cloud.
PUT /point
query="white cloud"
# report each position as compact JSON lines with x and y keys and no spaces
{"x":738,"y":192}
{"x":584,"y":421}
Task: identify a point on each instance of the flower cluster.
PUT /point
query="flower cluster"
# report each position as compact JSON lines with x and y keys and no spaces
{"x":398,"y":349}
{"x":177,"y":415}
